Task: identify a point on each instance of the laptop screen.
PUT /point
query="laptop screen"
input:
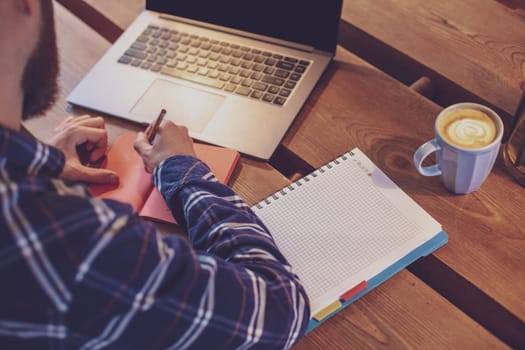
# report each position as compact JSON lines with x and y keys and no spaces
{"x":313,"y":23}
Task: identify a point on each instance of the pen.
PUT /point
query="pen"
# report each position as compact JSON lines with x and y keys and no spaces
{"x":155,"y":126}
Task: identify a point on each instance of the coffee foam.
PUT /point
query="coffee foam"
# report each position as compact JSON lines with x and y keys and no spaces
{"x":468,"y":128}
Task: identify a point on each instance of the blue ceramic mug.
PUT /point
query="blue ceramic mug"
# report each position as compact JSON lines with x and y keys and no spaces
{"x":467,"y":141}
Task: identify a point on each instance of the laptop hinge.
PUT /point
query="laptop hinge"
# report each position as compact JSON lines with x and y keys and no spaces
{"x":267,"y":39}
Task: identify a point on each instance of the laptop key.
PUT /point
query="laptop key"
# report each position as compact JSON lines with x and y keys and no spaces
{"x":268,"y":97}
{"x":213,"y":74}
{"x":295,"y":77}
{"x":244,"y":91}
{"x":300,"y":69}
{"x":237,"y":54}
{"x":269,"y":70}
{"x":284,"y":92}
{"x":137,"y":45}
{"x":234,"y":70}
{"x":225,"y":77}
{"x":260,"y":86}
{"x":230,"y":88}
{"x":270,"y":62}
{"x":273,"y":89}
{"x":247,"y":65}
{"x":245,"y":73}
{"x":256,"y":76}
{"x":256,"y":95}
{"x":279,"y":101}
{"x":192,"y":69}
{"x":236,"y":80}
{"x":246,"y":82}
{"x":203,"y":71}
{"x":215,"y":57}
{"x":125,"y":60}
{"x":258,"y":67}
{"x":193,"y":78}
{"x":281,"y":73}
{"x":182,"y":66}
{"x":289,"y":84}
{"x":285,"y":65}
{"x":273,"y":80}
{"x":135,"y":54}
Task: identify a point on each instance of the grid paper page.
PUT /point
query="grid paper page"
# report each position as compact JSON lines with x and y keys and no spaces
{"x":343,"y":224}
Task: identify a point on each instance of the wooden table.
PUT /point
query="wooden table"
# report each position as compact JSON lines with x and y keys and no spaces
{"x":472,"y":49}
{"x":358,"y":105}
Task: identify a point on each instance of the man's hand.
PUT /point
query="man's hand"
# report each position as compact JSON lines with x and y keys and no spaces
{"x":170,"y":140}
{"x":88,"y":136}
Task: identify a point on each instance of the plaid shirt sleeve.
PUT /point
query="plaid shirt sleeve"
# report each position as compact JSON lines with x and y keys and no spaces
{"x":228,"y":287}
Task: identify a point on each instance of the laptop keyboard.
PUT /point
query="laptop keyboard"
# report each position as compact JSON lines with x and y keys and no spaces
{"x":257,"y":74}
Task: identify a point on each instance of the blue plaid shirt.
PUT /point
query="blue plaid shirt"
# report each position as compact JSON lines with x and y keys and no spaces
{"x":85,"y":273}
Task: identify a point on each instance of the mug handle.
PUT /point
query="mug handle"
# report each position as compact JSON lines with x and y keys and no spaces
{"x":424,"y":151}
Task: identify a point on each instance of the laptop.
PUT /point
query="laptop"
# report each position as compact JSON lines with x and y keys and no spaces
{"x":235,"y":72}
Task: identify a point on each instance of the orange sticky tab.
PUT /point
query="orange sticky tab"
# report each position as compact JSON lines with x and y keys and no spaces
{"x":354,"y":291}
{"x":327,"y":311}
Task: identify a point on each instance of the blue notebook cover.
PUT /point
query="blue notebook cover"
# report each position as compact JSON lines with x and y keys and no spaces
{"x":428,"y":248}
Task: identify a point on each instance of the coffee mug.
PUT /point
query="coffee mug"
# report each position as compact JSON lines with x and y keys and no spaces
{"x":467,"y":141}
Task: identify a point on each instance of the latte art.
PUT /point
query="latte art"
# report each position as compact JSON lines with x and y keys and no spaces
{"x":468,"y":128}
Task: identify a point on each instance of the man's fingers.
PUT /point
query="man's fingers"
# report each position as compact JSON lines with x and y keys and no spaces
{"x":141,"y":143}
{"x":93,"y":122}
{"x":78,"y":172}
{"x":84,"y":120}
{"x":82,"y":134}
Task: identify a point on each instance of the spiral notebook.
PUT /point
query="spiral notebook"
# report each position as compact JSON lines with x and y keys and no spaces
{"x":345,"y":228}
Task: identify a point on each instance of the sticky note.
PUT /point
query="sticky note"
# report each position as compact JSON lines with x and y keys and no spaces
{"x":327,"y":310}
{"x":354,"y":291}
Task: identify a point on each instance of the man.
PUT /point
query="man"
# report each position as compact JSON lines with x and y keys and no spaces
{"x":80,"y":272}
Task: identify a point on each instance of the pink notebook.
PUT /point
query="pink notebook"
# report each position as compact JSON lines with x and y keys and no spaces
{"x":136,"y":187}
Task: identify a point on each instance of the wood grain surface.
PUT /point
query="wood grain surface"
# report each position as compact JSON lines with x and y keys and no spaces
{"x":478,"y":45}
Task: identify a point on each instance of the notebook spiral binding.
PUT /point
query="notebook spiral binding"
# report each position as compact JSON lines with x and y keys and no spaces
{"x":291,"y":187}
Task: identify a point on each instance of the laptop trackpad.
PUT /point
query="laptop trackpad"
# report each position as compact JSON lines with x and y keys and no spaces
{"x":186,"y":106}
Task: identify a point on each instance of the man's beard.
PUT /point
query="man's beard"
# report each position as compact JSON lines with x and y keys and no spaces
{"x":39,"y":82}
